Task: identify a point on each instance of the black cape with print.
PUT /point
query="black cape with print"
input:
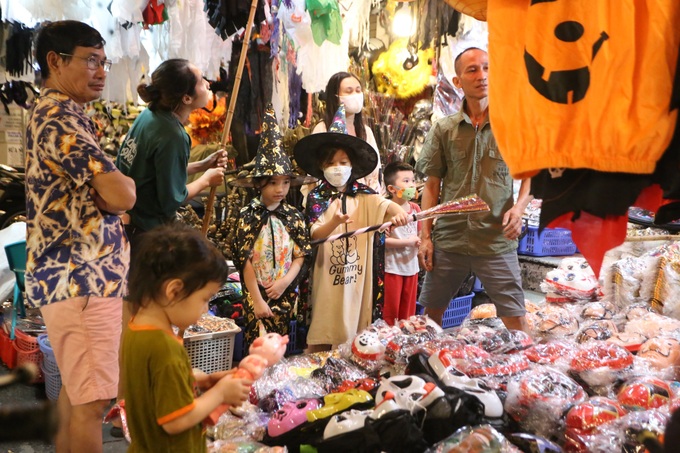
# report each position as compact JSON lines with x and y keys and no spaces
{"x":252,"y":219}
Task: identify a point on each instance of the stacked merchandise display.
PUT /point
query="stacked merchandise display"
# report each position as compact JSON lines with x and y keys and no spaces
{"x":592,"y":376}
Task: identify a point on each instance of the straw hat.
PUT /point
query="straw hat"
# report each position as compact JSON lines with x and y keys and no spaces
{"x":363,"y":156}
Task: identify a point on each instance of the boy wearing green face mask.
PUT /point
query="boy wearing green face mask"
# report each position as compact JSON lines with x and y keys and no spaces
{"x":401,"y":246}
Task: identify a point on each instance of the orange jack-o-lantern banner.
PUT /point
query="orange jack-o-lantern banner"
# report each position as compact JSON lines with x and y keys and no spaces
{"x":582,"y":83}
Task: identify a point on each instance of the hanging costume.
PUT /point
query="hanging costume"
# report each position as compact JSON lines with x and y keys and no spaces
{"x":591,"y":98}
{"x":314,"y":63}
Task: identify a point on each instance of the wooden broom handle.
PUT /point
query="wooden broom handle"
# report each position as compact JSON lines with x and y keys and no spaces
{"x":207,"y":216}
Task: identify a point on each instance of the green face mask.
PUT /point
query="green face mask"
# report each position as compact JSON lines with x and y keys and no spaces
{"x":407,"y":194}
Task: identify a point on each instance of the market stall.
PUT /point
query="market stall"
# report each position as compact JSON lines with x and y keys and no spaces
{"x":598,"y":371}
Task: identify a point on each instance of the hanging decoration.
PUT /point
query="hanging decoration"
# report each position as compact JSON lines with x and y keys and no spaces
{"x":18,"y":58}
{"x":315,"y":64}
{"x":392,"y":76}
{"x":154,"y":13}
{"x":206,"y":125}
{"x":595,"y":134}
{"x":474,"y":8}
{"x":53,"y":10}
{"x":326,"y":21}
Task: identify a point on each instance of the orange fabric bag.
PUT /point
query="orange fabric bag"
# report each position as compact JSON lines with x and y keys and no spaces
{"x":582,"y":83}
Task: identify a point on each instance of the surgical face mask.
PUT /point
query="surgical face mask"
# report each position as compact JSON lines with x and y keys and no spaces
{"x":337,"y":176}
{"x":407,"y":194}
{"x":353,"y":103}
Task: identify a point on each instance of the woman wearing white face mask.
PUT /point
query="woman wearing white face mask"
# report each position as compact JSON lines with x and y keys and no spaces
{"x":344,"y":88}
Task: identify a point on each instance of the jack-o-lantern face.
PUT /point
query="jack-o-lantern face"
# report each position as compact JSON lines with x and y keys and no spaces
{"x":561,"y":73}
{"x":587,"y":83}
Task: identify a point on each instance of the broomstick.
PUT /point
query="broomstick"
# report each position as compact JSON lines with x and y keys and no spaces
{"x":207,"y":216}
{"x":465,"y":205}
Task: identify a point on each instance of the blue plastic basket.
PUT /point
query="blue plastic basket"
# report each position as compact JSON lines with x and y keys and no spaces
{"x":240,"y":350}
{"x":457,"y":311}
{"x":298,"y":339}
{"x":551,"y":242}
{"x":49,"y":360}
{"x":52,"y":384}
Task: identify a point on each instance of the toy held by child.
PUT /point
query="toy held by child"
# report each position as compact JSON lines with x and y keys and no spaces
{"x":264,"y":352}
{"x":346,"y":271}
{"x":401,"y":246}
{"x":272,"y":239}
{"x":172,"y":277}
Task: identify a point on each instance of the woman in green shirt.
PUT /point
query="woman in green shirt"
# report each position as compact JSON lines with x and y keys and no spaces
{"x":155,"y":152}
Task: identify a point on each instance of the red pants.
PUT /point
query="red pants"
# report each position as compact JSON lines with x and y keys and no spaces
{"x":400,"y":297}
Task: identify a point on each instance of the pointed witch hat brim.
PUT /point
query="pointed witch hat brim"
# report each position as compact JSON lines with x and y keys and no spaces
{"x":271,"y":159}
{"x":251,"y":181}
{"x":308,"y":150}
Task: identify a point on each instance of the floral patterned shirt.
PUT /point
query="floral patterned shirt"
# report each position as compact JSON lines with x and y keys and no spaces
{"x":73,"y":248}
{"x":273,"y":252}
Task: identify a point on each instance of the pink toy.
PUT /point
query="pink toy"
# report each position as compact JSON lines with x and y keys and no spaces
{"x":264,"y":352}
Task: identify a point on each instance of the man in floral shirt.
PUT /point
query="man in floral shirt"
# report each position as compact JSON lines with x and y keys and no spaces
{"x":77,"y":253}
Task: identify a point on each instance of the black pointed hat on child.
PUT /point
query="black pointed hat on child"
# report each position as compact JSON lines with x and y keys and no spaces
{"x":308,"y":150}
{"x":271,"y":159}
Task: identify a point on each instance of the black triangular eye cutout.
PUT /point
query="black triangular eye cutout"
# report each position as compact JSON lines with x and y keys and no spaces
{"x":406,"y":383}
{"x":533,"y":2}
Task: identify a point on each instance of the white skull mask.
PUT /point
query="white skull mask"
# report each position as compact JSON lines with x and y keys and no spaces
{"x":411,"y":393}
{"x":444,"y":366}
{"x":344,"y":423}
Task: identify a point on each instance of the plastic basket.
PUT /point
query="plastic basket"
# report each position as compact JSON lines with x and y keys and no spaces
{"x":52,"y":383}
{"x":211,"y":352}
{"x":551,"y":242}
{"x":457,"y":311}
{"x":49,"y":364}
{"x":28,"y":351}
{"x":8,"y":354}
{"x":240,"y":349}
{"x":297,"y":339}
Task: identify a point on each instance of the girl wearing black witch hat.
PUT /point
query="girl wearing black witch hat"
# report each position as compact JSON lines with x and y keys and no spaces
{"x":272,"y":240}
{"x":343,"y":300}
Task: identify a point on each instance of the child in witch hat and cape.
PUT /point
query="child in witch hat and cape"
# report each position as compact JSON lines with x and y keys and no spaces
{"x":272,"y":240}
{"x":342,"y":283}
